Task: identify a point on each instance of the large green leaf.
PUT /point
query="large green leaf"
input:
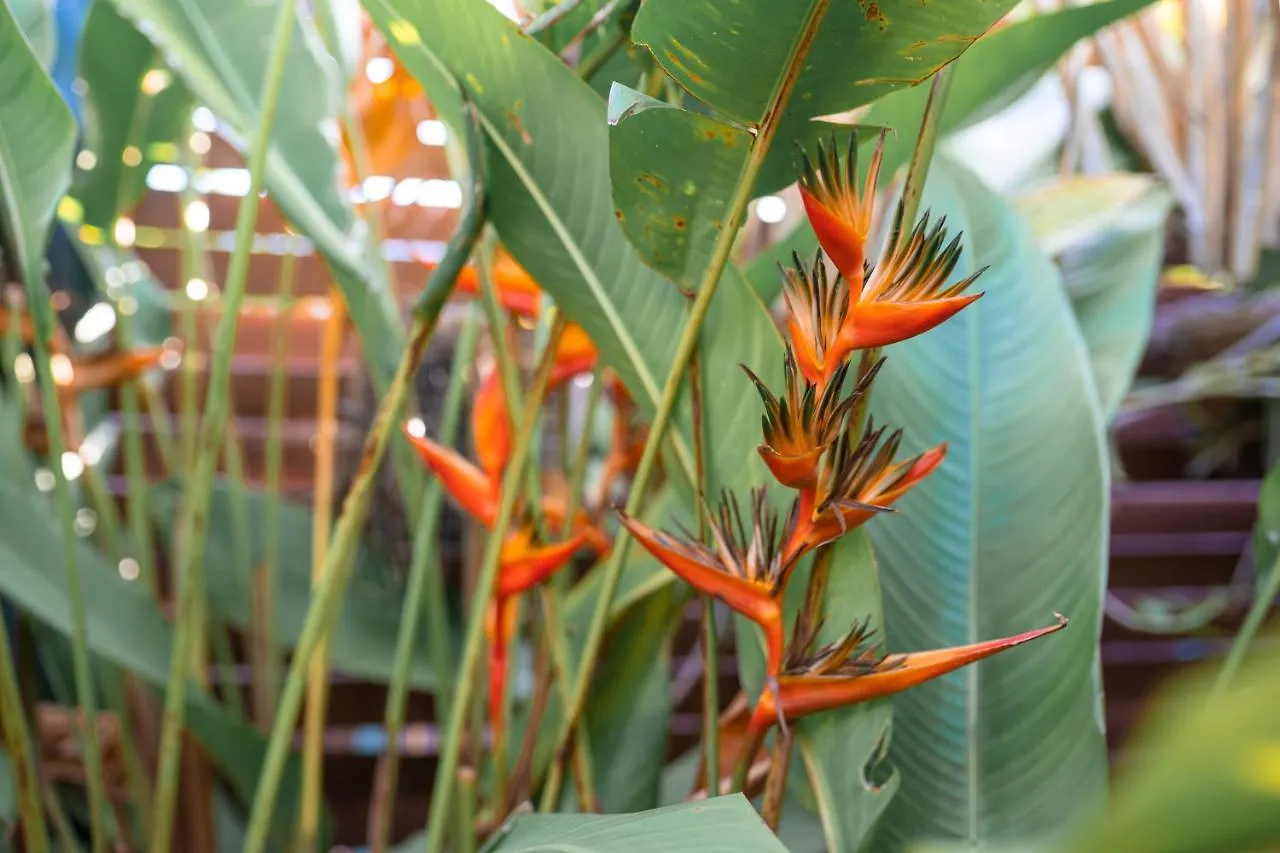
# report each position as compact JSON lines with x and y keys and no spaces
{"x":718,"y":825}
{"x":124,"y":627}
{"x":129,"y":124}
{"x":993,"y":73}
{"x":1107,"y":234}
{"x":1011,"y":528}
{"x":35,"y":18}
{"x":549,"y":196}
{"x":37,"y":136}
{"x":219,"y":48}
{"x":363,"y":642}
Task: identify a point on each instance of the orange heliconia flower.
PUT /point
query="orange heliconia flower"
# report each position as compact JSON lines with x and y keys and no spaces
{"x":800,"y":425}
{"x":491,"y":426}
{"x":745,"y":569}
{"x":904,"y":295}
{"x":858,"y":479}
{"x":851,"y":671}
{"x":517,"y":292}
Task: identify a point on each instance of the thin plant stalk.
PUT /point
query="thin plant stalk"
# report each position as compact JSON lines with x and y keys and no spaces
{"x":266,"y":661}
{"x":710,"y":642}
{"x":116,"y":690}
{"x":577,"y":472}
{"x":18,"y":746}
{"x":43,"y":319}
{"x":322,"y":514}
{"x":424,"y":596}
{"x":446,"y":771}
{"x":1262,"y":604}
{"x":775,"y":786}
{"x":666,"y":405}
{"x":465,"y":841}
{"x":926,"y":142}
{"x":194,"y":518}
{"x":323,"y":612}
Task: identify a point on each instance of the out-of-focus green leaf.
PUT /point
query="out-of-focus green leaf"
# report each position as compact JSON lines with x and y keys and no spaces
{"x":37,"y":136}
{"x":363,"y":642}
{"x":718,"y":825}
{"x":998,"y":69}
{"x":1107,"y":233}
{"x":124,"y":627}
{"x":8,"y":791}
{"x":550,"y":199}
{"x":35,"y":19}
{"x":133,"y":120}
{"x":1011,"y":528}
{"x":1202,"y":775}
{"x":218,"y":49}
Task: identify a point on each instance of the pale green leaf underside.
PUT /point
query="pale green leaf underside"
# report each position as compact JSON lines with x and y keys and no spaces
{"x":1011,"y":528}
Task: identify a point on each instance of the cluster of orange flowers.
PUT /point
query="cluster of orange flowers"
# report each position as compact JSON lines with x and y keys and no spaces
{"x":819,"y":443}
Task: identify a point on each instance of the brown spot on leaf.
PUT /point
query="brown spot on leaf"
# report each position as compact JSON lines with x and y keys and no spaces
{"x":679,"y":223}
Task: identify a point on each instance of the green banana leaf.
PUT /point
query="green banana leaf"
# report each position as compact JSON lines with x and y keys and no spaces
{"x":999,"y":68}
{"x":1011,"y":528}
{"x":123,"y":115}
{"x":35,"y":19}
{"x":363,"y":642}
{"x":1107,"y":235}
{"x":37,"y":139}
{"x":718,"y":825}
{"x":219,"y":49}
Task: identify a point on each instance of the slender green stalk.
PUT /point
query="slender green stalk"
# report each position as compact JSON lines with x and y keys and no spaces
{"x":322,"y":613}
{"x":465,"y":842}
{"x":926,"y":142}
{"x":1262,"y":604}
{"x":578,"y":469}
{"x":551,"y":17}
{"x":424,"y":596}
{"x":558,"y":642}
{"x":18,"y":746}
{"x":117,"y":689}
{"x":194,"y":518}
{"x":775,"y":786}
{"x":710,"y":689}
{"x":666,"y":405}
{"x":446,"y":771}
{"x":596,"y":60}
{"x":43,"y":319}
{"x":266,"y":661}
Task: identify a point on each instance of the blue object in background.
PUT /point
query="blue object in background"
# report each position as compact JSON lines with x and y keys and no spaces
{"x":69,"y":18}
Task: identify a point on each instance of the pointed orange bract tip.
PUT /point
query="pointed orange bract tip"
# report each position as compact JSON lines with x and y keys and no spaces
{"x":499,"y":625}
{"x":114,"y":369}
{"x":802,"y":695}
{"x":523,"y":566}
{"x":755,"y":601}
{"x":879,"y":324}
{"x":842,"y":239}
{"x":491,"y":427}
{"x":466,"y":483}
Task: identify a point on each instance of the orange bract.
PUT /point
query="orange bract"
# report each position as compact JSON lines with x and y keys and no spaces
{"x":850,"y":671}
{"x":474,"y":491}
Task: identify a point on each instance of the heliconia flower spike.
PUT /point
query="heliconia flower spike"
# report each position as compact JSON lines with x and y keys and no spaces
{"x":906,"y":293}
{"x":523,"y":565}
{"x":466,"y":483}
{"x":851,"y":671}
{"x":491,"y":427}
{"x":858,"y":479}
{"x":744,"y":570}
{"x":839,"y":213}
{"x":816,"y":308}
{"x":499,"y":625}
{"x":799,"y":425}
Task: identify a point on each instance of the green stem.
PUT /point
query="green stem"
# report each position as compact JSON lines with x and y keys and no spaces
{"x":425,"y":592}
{"x":775,"y":787}
{"x":266,"y":669}
{"x":926,"y":142}
{"x":42,"y":316}
{"x":578,"y":470}
{"x":710,"y":689}
{"x":446,"y":772}
{"x":551,"y":17}
{"x":138,"y":504}
{"x":1262,"y":604}
{"x":666,"y":405}
{"x":18,"y":746}
{"x":194,"y":518}
{"x":327,"y":595}
{"x":117,"y":689}
{"x":465,"y":842}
